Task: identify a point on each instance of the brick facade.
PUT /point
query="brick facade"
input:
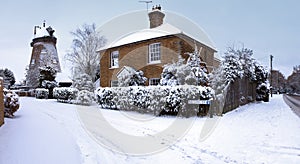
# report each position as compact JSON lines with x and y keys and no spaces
{"x":136,"y":56}
{"x":1,"y":103}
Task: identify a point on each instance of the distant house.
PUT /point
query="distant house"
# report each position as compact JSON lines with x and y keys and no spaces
{"x":150,"y":49}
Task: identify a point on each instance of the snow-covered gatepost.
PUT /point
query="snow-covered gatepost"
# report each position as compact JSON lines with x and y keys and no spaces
{"x":1,"y":103}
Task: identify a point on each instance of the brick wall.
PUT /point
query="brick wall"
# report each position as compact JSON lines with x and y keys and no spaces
{"x":1,"y":103}
{"x":135,"y":55}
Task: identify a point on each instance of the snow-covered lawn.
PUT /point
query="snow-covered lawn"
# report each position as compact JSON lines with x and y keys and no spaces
{"x":45,"y":131}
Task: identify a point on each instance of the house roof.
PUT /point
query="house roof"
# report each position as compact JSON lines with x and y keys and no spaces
{"x":160,"y":31}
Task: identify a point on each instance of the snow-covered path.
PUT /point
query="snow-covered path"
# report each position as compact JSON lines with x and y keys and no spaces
{"x":49,"y":132}
{"x":35,"y":137}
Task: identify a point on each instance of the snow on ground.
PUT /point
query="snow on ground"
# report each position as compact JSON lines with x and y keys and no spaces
{"x":45,"y":131}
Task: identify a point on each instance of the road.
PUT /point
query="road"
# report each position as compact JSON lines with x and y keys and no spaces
{"x":293,"y":102}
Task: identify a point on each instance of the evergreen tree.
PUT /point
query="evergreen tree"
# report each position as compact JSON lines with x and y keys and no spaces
{"x":193,"y":72}
{"x":133,"y":79}
{"x":8,"y":77}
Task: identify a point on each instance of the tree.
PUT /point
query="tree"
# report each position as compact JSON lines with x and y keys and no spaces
{"x":238,"y":63}
{"x":294,"y":81}
{"x":198,"y":67}
{"x":133,"y":79}
{"x":47,"y":79}
{"x":8,"y":77}
{"x":193,"y":72}
{"x":83,"y":56}
{"x":83,"y":82}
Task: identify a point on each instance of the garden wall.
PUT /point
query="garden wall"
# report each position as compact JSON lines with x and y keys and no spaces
{"x":1,"y":103}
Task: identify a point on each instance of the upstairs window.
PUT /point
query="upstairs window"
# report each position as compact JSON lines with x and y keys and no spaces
{"x":154,"y":53}
{"x":114,"y":59}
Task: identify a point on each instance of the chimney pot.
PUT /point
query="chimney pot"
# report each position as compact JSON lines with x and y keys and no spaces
{"x":156,"y":17}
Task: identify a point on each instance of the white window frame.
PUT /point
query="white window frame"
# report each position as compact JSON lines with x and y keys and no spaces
{"x":152,"y":81}
{"x":154,"y":52}
{"x":114,"y":59}
{"x":114,"y":83}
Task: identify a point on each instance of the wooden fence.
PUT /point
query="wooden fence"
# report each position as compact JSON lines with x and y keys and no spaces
{"x":240,"y":92}
{"x":1,"y":103}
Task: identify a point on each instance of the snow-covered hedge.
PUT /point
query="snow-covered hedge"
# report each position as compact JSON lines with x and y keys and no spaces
{"x":153,"y":99}
{"x":41,"y":93}
{"x":65,"y":94}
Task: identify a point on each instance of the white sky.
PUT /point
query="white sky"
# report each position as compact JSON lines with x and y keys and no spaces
{"x":267,"y":27}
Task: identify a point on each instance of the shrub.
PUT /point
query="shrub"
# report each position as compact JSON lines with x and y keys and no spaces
{"x":105,"y":97}
{"x":11,"y":103}
{"x":41,"y":93}
{"x":85,"y":97}
{"x":65,"y":94}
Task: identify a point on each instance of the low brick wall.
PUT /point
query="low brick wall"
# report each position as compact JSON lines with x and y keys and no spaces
{"x":1,"y":103}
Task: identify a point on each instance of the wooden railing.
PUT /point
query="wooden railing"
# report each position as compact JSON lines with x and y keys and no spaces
{"x":240,"y":92}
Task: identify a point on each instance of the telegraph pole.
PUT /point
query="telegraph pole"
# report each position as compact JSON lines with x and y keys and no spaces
{"x":271,"y":85}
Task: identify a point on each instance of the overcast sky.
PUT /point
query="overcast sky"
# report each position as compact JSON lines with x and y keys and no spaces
{"x":265,"y":26}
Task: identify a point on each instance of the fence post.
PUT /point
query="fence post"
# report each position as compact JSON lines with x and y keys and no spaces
{"x":1,"y":103}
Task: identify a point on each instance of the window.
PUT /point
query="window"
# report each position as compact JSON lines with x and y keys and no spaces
{"x":114,"y":59}
{"x":114,"y":83}
{"x":154,"y":81}
{"x":154,"y":53}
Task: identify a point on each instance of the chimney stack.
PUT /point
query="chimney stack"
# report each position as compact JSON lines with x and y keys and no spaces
{"x":156,"y":17}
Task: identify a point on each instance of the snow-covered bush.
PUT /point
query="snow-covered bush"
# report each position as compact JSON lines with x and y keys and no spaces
{"x":173,"y":100}
{"x":11,"y":103}
{"x":262,"y":92}
{"x":132,"y":79}
{"x":139,"y":97}
{"x":83,"y":82}
{"x":65,"y":94}
{"x":49,"y":84}
{"x":85,"y":97}
{"x":105,"y":97}
{"x":41,"y":93}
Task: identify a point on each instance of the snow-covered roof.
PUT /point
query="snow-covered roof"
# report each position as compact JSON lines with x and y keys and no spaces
{"x":41,"y":32}
{"x":160,"y":31}
{"x":125,"y":71}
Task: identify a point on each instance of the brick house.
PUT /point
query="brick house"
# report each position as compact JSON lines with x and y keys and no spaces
{"x":149,"y":50}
